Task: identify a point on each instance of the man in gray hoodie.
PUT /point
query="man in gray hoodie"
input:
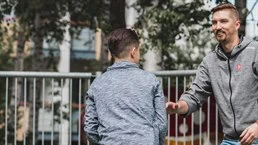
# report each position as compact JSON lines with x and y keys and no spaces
{"x":230,"y":73}
{"x":125,"y":105}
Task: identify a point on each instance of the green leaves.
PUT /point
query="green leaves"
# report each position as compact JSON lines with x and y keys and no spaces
{"x":166,"y":22}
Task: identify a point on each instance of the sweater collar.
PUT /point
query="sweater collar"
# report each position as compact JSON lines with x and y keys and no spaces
{"x":123,"y":65}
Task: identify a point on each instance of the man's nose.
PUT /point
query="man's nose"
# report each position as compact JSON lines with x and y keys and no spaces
{"x":218,"y":26}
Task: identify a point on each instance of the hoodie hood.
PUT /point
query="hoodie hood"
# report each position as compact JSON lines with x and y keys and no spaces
{"x":238,"y":48}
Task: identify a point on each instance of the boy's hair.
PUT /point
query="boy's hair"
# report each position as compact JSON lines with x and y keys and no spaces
{"x":228,"y":6}
{"x":121,"y":40}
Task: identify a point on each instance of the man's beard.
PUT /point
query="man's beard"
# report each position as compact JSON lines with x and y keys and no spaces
{"x":220,"y":36}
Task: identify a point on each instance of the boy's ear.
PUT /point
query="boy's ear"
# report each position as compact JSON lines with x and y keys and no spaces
{"x":133,"y":52}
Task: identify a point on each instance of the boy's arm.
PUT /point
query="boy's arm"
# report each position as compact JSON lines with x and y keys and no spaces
{"x":91,"y":120}
{"x":160,"y":114}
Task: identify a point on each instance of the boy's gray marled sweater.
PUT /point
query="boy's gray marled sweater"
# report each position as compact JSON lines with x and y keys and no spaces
{"x":125,"y":106}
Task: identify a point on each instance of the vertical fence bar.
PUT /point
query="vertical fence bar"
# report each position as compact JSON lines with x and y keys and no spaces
{"x":208,"y":118}
{"x":25,"y":106}
{"x":184,"y":118}
{"x":161,"y":82}
{"x":6,"y":108}
{"x":70,"y":115}
{"x":200,"y":126}
{"x":52,"y":111}
{"x":43,"y":108}
{"x":80,"y":104}
{"x":85,"y":108}
{"x":192,"y":123}
{"x":61,"y":113}
{"x":169,"y":118}
{"x":216,"y":131}
{"x":15,"y":110}
{"x":192,"y":129}
{"x":176,"y":121}
{"x":34,"y":109}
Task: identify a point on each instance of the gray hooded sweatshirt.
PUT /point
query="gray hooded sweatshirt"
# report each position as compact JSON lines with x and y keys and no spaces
{"x":233,"y":80}
{"x":125,"y":106}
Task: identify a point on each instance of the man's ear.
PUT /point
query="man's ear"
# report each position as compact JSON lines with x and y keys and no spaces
{"x":238,"y":24}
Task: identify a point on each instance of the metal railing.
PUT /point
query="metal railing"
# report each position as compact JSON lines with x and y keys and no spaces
{"x":47,"y":107}
{"x":201,"y":127}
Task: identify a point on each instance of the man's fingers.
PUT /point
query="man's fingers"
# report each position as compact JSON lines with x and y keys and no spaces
{"x":176,"y":106}
{"x":244,"y":137}
{"x":243,"y":133}
{"x":248,"y":138}
{"x":171,"y":107}
{"x":167,"y":104}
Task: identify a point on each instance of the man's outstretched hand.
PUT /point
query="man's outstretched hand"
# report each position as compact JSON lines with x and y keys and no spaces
{"x":172,"y":107}
{"x":180,"y":107}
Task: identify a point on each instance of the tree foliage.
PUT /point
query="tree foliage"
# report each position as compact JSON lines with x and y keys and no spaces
{"x":51,"y":13}
{"x":165,"y":22}
{"x":37,"y":20}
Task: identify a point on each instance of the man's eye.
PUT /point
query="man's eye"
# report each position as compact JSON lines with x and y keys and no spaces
{"x":224,"y":21}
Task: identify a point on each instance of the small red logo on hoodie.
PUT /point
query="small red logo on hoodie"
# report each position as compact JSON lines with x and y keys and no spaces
{"x":238,"y":67}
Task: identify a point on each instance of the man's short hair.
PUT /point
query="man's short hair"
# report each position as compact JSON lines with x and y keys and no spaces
{"x":121,"y":40}
{"x":228,"y":6}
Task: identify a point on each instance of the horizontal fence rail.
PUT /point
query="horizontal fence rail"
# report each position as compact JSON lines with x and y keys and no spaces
{"x":175,"y":73}
{"x":44,"y":74}
{"x":47,"y":108}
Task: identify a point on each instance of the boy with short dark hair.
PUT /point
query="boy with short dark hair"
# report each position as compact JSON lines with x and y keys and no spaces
{"x":125,"y":105}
